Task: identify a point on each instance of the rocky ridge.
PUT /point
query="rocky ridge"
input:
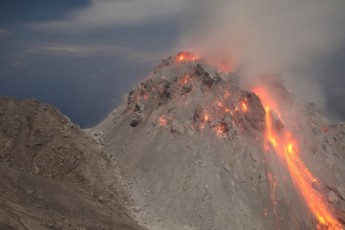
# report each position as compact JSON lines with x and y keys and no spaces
{"x":53,"y":176}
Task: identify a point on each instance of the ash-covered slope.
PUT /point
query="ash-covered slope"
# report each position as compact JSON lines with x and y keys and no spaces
{"x":52,"y":175}
{"x":190,"y":144}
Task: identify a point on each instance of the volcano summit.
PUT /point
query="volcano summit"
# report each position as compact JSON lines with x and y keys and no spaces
{"x":201,"y":153}
{"x":190,"y":149}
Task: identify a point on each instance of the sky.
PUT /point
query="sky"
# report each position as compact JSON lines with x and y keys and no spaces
{"x":82,"y":56}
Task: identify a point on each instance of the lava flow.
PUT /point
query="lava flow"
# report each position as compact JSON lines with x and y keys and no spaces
{"x":286,"y":147}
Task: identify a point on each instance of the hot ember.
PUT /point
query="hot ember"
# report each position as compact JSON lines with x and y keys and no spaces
{"x":163,"y":121}
{"x":186,"y":56}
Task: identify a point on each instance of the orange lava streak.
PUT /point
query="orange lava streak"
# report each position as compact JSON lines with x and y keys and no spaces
{"x":269,"y":137}
{"x":313,"y":199}
{"x":286,"y":147}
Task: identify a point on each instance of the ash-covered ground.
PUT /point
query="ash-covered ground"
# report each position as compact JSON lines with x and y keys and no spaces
{"x":185,"y":151}
{"x":190,"y":143}
{"x":53,"y":176}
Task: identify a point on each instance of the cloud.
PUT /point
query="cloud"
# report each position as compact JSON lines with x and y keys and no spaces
{"x":338,"y":91}
{"x":20,"y":62}
{"x":262,"y":36}
{"x":92,"y":50}
{"x":114,"y":13}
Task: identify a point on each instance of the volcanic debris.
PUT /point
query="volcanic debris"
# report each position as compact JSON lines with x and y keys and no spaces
{"x":212,"y":99}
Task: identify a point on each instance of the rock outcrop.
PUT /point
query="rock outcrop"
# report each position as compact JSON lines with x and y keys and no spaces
{"x":53,"y":176}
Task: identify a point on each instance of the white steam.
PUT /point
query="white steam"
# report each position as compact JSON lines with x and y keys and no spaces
{"x":255,"y":37}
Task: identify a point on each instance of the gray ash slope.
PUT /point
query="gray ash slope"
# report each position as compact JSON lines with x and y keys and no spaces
{"x":193,"y":158}
{"x":53,"y":176}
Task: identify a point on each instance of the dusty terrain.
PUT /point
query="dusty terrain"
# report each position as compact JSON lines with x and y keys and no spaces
{"x":52,"y":175}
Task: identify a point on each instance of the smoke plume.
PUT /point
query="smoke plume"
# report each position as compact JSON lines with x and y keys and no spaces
{"x":267,"y":36}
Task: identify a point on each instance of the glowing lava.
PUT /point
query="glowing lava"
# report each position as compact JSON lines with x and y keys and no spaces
{"x":163,"y":121}
{"x":206,"y":118}
{"x":286,"y":147}
{"x":186,"y":56}
{"x":244,"y":107}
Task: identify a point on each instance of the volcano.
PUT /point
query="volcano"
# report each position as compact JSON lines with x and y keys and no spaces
{"x":194,"y":148}
{"x":200,"y":152}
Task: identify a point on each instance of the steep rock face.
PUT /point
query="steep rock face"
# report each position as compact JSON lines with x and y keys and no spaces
{"x":190,"y":142}
{"x":53,"y":176}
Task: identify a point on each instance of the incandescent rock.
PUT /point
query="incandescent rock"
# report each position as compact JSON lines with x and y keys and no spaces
{"x":256,"y":113}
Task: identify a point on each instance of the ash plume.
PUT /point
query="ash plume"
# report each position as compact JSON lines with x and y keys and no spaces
{"x":259,"y":37}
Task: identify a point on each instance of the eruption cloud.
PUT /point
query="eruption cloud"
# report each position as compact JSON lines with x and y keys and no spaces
{"x":262,"y":37}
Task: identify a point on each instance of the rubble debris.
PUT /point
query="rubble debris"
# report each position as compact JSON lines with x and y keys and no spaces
{"x":137,"y":209}
{"x":227,"y":167}
{"x":101,"y":198}
{"x":332,"y":197}
{"x":199,"y":113}
{"x":136,"y":120}
{"x":139,"y":107}
{"x":262,"y":177}
{"x":339,"y":191}
{"x":176,"y":127}
{"x":256,"y":113}
{"x":187,"y":88}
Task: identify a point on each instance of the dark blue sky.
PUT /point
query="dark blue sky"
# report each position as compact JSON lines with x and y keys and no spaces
{"x":83,"y":56}
{"x":18,"y":11}
{"x":84,"y":72}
